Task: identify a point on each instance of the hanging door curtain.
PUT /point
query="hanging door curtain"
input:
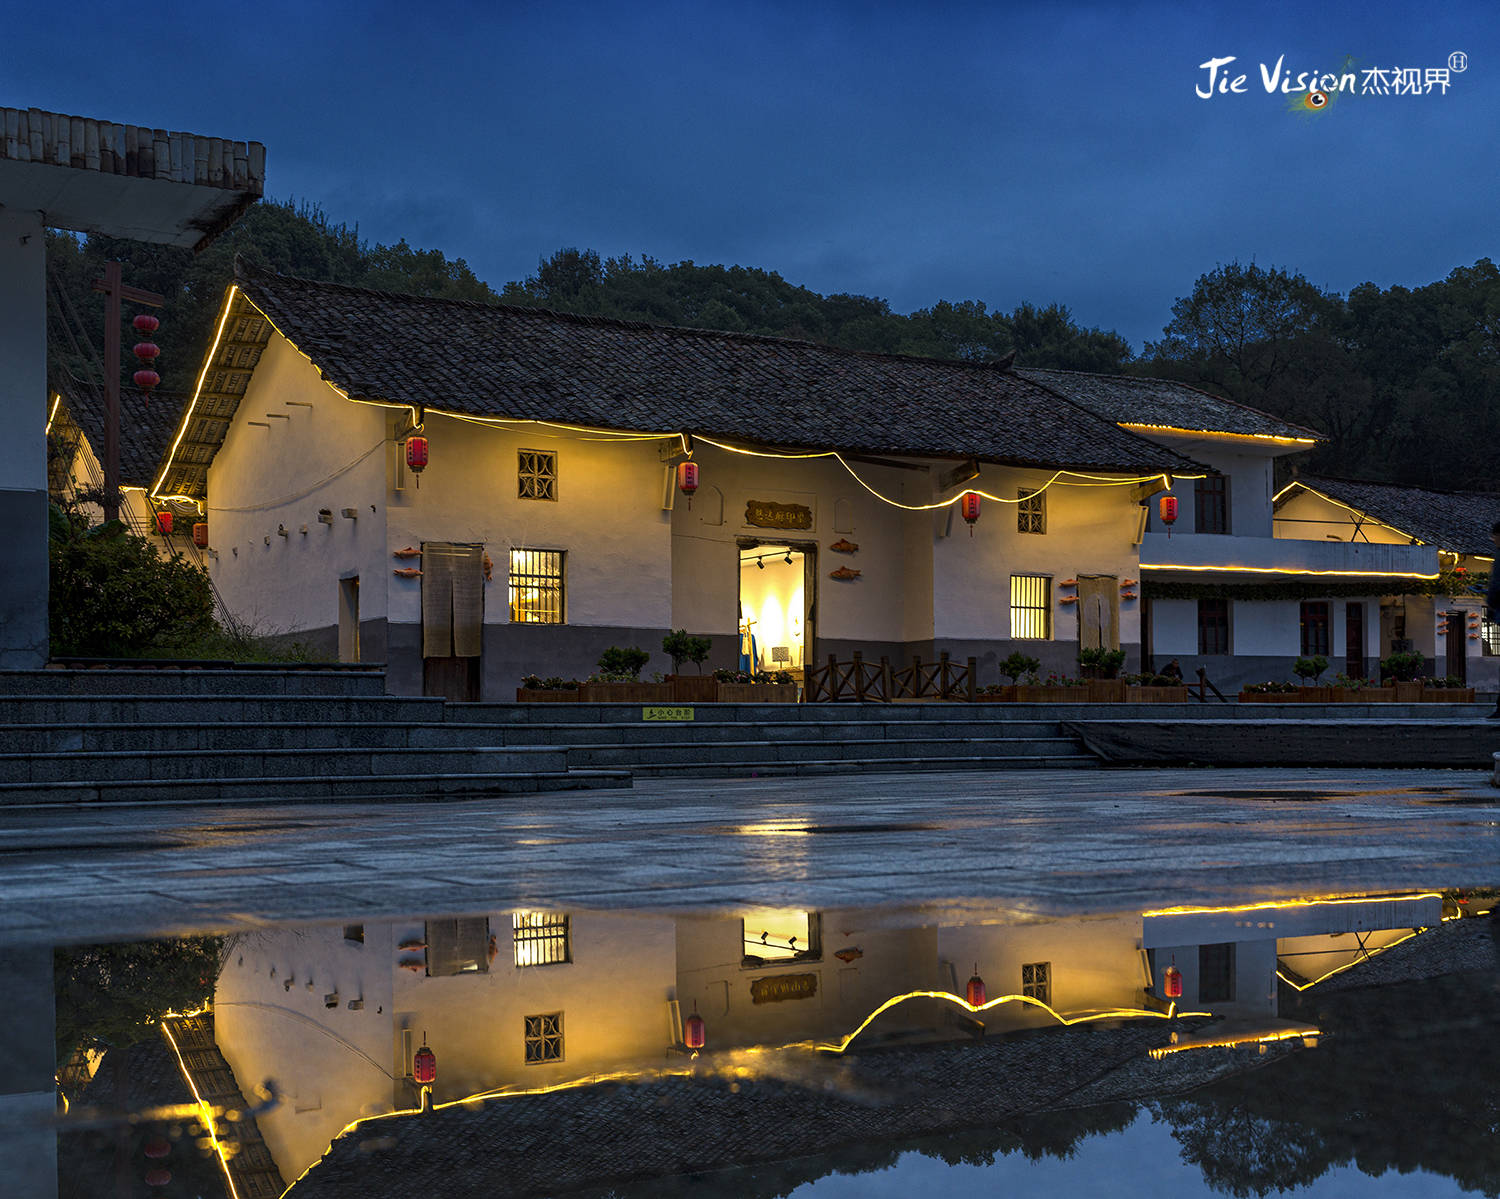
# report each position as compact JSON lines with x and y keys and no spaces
{"x":452,"y":600}
{"x":1098,"y":612}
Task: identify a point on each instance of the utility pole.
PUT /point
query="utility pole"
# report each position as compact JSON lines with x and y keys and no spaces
{"x":114,"y":291}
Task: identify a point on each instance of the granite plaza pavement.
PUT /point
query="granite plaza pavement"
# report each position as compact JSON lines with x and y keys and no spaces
{"x":1045,"y":842}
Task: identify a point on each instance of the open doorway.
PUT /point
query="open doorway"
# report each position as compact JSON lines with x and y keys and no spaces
{"x":777,"y":590}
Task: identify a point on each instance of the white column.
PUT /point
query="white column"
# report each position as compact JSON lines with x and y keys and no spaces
{"x":23,"y":460}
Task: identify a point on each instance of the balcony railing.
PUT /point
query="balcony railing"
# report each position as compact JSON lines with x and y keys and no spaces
{"x":1216,"y":554}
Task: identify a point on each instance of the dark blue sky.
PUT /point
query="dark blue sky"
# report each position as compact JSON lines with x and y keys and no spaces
{"x":1002,"y":152}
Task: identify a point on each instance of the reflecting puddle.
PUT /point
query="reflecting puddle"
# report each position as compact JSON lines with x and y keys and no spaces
{"x":1239,"y":1048}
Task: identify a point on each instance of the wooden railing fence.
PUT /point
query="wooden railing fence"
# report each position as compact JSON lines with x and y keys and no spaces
{"x":865,"y":681}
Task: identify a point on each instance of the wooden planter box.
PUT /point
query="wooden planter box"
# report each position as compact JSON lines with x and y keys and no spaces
{"x":694,"y":688}
{"x":1006,"y":695}
{"x":1408,"y":693}
{"x":1106,"y":691}
{"x":1269,"y":697}
{"x":1447,"y":695}
{"x":525,"y":695}
{"x":1146,"y":694}
{"x":626,"y":693}
{"x":757,"y":693}
{"x":1051,"y":695}
{"x":1364,"y":695}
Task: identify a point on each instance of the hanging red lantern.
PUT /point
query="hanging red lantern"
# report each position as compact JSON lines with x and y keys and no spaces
{"x":1172,"y":982}
{"x":687,"y":480}
{"x":145,"y":323}
{"x":200,"y":534}
{"x":968,"y":507}
{"x":424,"y":1066}
{"x":694,"y":1033}
{"x":164,"y":523}
{"x":159,"y":1177}
{"x":146,"y":379}
{"x":416,"y":454}
{"x":975,"y":992}
{"x":158,"y":1148}
{"x":1168,"y":510}
{"x":146,"y":351}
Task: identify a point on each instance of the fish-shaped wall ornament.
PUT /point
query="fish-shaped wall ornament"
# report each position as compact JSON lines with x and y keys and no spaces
{"x":408,"y":572}
{"x":410,"y":551}
{"x":844,"y":546}
{"x":850,"y":954}
{"x":843,"y":574}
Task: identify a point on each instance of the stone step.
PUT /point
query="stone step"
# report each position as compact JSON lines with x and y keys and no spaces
{"x":759,"y":752}
{"x":139,"y":765}
{"x":698,"y":732}
{"x":864,"y":765}
{"x":310,"y":788}
{"x":216,"y":736}
{"x":171,"y":681}
{"x":260,"y":709}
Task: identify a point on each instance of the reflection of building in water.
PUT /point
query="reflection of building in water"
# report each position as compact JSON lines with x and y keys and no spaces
{"x":522,"y":1000}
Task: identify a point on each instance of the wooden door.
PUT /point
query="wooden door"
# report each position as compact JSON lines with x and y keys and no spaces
{"x":1354,"y":640}
{"x":1098,"y":612}
{"x":1458,"y":630}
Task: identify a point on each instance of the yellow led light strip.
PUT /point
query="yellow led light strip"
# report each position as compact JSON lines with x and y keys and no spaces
{"x":1290,"y":1034}
{"x":206,"y":1113}
{"x":187,"y":416}
{"x":1290,"y":570}
{"x":1364,"y":516}
{"x":1277,"y":905}
{"x":52,"y":416}
{"x":1220,"y":433}
{"x":1081,"y":1017}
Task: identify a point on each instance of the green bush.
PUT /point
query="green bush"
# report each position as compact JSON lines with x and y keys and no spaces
{"x":623,"y":663}
{"x":1310,"y":668}
{"x":1019,"y":664}
{"x":1106,"y":661}
{"x":681,"y":647}
{"x":1402,"y":666}
{"x":112,"y":595}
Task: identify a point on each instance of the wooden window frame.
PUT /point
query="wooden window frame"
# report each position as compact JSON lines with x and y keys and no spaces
{"x":536,"y":475}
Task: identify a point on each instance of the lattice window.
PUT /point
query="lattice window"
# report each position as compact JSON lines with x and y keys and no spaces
{"x":1036,"y":981}
{"x":1211,"y":498}
{"x":536,"y":475}
{"x":536,"y":586}
{"x":1031,"y":512}
{"x":544,"y":1038}
{"x":541,"y":939}
{"x":1031,"y":607}
{"x":1490,"y":630}
{"x":1213,"y":626}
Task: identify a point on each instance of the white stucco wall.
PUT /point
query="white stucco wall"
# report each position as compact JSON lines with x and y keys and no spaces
{"x":1249,"y":467}
{"x":263,"y":479}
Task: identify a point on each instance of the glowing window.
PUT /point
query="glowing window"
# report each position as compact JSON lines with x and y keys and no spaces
{"x":536,"y":475}
{"x":777,"y":936}
{"x":1036,"y":981}
{"x":1031,"y":512}
{"x":536,"y":586}
{"x":541,"y":939}
{"x":544,"y":1038}
{"x":1031,"y":607}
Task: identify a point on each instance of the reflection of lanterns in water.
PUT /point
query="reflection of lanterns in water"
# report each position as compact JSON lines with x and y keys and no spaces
{"x":424,"y":1065}
{"x":975,"y":992}
{"x":694,"y":1033}
{"x":1172,"y":982}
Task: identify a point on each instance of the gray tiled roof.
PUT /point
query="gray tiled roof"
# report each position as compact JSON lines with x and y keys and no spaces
{"x":1458,"y":521}
{"x":1133,"y":399}
{"x":146,"y":427}
{"x":494,"y":360}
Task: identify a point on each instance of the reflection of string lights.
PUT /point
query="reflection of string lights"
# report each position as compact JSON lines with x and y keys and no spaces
{"x":1290,"y":903}
{"x":1289,"y":1034}
{"x":206,"y":1112}
{"x":1365,"y":955}
{"x":1083,"y":1016}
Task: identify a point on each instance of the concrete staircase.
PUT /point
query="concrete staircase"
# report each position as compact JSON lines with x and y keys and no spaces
{"x":144,"y":735}
{"x":776,"y":739}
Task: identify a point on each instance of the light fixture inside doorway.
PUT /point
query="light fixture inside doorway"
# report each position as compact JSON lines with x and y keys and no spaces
{"x":760,"y":564}
{"x":789,"y":557}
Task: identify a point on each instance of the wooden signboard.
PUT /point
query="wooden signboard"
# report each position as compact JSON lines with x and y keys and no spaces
{"x":768,"y":514}
{"x":780,"y":987}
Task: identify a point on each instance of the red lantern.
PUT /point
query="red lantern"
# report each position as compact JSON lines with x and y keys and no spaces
{"x":424,"y":1066}
{"x":694,"y":1034}
{"x":158,"y":1148}
{"x":1172,"y":982}
{"x":164,"y":523}
{"x":1168,"y":510}
{"x":159,"y":1177}
{"x":968,"y":506}
{"x":975,"y":992}
{"x":146,"y":379}
{"x":687,"y":479}
{"x":145,"y":323}
{"x":200,"y":535}
{"x":146,"y":350}
{"x":416,"y":454}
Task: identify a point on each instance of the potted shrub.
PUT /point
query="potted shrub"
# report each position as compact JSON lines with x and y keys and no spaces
{"x":1309,"y":670}
{"x":1054,"y":689}
{"x":1401,"y":669}
{"x":554,"y":690}
{"x":1359,"y":691}
{"x":1155,"y":689}
{"x":692,"y":689}
{"x":738,"y":687}
{"x":1100,"y":667}
{"x":1448,"y":690}
{"x":618,"y":679}
{"x":1016,"y":667}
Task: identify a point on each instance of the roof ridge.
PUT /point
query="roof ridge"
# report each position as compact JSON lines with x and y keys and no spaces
{"x":1304,"y":479}
{"x":1004,"y":365}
